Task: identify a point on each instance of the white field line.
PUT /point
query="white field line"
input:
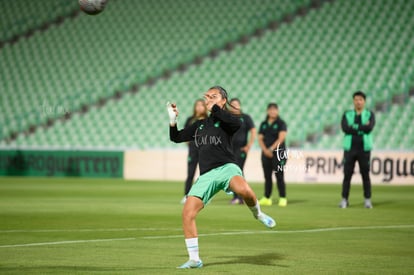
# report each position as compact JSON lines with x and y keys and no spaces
{"x":87,"y":230}
{"x":66,"y":242}
{"x":289,"y":231}
{"x":233,"y":233}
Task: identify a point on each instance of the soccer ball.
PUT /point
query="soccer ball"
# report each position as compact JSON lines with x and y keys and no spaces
{"x":92,"y":7}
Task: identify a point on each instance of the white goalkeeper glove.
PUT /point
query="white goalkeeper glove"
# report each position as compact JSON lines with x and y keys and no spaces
{"x":171,"y":114}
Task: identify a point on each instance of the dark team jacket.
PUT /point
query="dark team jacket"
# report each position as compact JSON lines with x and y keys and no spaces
{"x":192,"y":149}
{"x":358,"y":130}
{"x":271,"y":132}
{"x":240,"y":137}
{"x":213,"y":138}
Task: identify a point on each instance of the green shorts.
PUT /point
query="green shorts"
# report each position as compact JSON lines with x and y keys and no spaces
{"x":208,"y":184}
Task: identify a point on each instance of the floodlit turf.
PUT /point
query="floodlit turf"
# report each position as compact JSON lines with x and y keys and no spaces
{"x":71,"y":226}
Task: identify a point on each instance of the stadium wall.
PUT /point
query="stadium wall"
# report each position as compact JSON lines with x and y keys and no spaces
{"x":62,"y":163}
{"x":303,"y":166}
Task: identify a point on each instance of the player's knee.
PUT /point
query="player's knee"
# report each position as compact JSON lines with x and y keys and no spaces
{"x":188,"y":214}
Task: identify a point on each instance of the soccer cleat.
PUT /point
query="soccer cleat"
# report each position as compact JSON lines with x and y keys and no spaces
{"x":344,"y":203}
{"x":266,"y":220}
{"x":191,"y":264}
{"x":265,"y":201}
{"x":282,"y":202}
{"x":368,"y":203}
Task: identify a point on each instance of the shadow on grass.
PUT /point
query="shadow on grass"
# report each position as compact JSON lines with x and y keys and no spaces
{"x":374,"y":203}
{"x":296,"y":201}
{"x":266,"y":259}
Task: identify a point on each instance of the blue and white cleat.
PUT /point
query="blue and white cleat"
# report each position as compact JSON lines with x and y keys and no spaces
{"x":192,"y":264}
{"x":266,"y":220}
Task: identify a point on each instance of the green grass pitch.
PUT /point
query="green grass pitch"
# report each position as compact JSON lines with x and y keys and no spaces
{"x":84,"y":226}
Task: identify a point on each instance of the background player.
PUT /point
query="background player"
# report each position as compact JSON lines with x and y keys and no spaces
{"x":199,"y":112}
{"x":242,"y":142}
{"x":218,"y":170}
{"x":272,"y":136}
{"x":357,"y":125}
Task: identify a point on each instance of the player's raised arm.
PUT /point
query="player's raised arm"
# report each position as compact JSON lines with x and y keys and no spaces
{"x":183,"y":135}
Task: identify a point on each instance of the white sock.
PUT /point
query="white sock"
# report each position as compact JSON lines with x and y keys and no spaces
{"x":192,"y":248}
{"x":255,"y":209}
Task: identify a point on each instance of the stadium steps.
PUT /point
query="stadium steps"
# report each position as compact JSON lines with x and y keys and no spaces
{"x":22,"y":18}
{"x":394,"y":129}
{"x":317,"y":74}
{"x":332,"y":127}
{"x":308,"y":66}
{"x":130,"y":78}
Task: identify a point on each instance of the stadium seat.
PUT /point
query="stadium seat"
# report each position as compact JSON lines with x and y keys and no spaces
{"x":310,"y":66}
{"x":146,"y":38}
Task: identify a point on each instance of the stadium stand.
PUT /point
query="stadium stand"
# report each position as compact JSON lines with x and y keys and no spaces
{"x":21,"y":17}
{"x":393,"y":130}
{"x":79,"y":61}
{"x":310,"y":66}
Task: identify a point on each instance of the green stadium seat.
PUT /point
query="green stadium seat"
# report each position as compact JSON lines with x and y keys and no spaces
{"x":310,"y":67}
